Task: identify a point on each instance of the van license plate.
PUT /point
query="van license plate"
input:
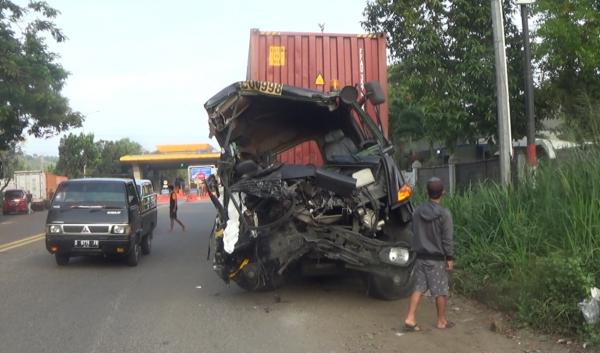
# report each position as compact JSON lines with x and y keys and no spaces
{"x":86,"y":244}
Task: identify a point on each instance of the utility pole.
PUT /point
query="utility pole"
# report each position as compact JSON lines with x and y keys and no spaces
{"x":504,"y":132}
{"x":531,"y":152}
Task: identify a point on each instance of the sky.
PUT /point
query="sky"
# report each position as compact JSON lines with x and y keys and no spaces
{"x":143,"y":69}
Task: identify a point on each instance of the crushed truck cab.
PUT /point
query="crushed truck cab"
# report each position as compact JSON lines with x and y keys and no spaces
{"x":352,"y":212}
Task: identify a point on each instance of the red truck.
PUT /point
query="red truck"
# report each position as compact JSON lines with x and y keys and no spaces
{"x":319,"y":61}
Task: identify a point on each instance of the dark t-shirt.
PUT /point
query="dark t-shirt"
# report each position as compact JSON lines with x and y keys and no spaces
{"x":172,"y":202}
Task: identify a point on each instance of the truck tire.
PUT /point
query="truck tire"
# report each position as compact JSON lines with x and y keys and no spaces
{"x":399,"y":284}
{"x":395,"y":282}
{"x":147,"y":243}
{"x":133,"y":257}
{"x":61,"y":259}
{"x":248,"y":280}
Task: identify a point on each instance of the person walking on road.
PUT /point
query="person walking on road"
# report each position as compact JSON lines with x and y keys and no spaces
{"x":173,"y":208}
{"x":433,"y":244}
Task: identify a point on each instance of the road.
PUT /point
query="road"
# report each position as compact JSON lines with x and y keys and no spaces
{"x":173,"y":302}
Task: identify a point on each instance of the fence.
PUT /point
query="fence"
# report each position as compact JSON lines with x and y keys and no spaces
{"x":458,"y":176}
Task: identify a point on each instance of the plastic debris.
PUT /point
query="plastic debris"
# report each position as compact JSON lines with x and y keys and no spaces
{"x":590,"y":307}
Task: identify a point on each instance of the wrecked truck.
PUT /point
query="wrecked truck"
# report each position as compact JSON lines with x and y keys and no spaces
{"x":351,"y":213}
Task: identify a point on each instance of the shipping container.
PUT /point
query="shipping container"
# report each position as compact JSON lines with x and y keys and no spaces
{"x":52,"y":182}
{"x":34,"y":182}
{"x":319,"y":61}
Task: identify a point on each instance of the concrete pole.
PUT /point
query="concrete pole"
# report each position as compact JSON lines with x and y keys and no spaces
{"x":504,"y":131}
{"x":137,"y":171}
{"x":531,"y":153}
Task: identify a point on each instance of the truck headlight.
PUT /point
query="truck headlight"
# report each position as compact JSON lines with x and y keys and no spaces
{"x":396,"y":256}
{"x":54,"y":229}
{"x":120,"y":229}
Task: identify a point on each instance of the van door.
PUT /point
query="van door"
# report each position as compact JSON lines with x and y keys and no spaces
{"x":133,"y":205}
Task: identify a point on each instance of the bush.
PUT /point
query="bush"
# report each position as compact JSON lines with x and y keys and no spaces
{"x":533,"y":248}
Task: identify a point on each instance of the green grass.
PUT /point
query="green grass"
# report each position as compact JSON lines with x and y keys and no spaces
{"x":533,"y":249}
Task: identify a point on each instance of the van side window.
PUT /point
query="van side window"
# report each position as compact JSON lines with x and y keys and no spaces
{"x":131,"y":195}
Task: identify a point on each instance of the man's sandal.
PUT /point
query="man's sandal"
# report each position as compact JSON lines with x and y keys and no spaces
{"x":411,"y":328}
{"x":449,"y":325}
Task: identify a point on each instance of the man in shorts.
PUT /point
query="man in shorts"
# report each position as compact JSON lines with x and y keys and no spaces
{"x":432,"y":242}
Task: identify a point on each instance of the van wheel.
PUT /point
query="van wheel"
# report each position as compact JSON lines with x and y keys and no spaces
{"x":134,"y":256}
{"x":61,"y":259}
{"x":147,"y":244}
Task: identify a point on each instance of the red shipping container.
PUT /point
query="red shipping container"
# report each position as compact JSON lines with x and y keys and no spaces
{"x":52,"y":182}
{"x":316,"y":61}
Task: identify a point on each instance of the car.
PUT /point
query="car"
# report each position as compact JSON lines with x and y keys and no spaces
{"x":101,"y":216}
{"x":16,"y":201}
{"x":353,"y":212}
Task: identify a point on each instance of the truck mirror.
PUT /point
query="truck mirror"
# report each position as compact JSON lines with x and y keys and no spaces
{"x":349,"y":94}
{"x":375,"y":93}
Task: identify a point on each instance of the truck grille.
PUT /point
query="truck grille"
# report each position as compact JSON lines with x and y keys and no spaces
{"x":85,"y":229}
{"x":72,"y":229}
{"x":98,"y":229}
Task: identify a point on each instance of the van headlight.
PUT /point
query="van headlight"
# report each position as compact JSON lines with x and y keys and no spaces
{"x":120,"y":229}
{"x":395,"y":256}
{"x":54,"y":229}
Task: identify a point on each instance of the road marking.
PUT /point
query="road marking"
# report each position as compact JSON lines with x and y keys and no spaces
{"x":21,"y":242}
{"x":6,"y":222}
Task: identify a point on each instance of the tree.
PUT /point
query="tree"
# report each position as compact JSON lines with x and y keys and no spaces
{"x":111,"y":152}
{"x":12,"y":159}
{"x":77,"y":155}
{"x":31,"y":79}
{"x":442,"y":77}
{"x":568,"y":58}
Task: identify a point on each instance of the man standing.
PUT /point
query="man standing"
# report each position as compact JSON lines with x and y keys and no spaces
{"x":173,"y":208}
{"x":432,"y":242}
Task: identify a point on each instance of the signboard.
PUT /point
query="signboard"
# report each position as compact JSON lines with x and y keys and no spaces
{"x":199,"y":173}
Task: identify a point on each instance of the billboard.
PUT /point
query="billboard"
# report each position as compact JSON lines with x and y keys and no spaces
{"x":199,"y":173}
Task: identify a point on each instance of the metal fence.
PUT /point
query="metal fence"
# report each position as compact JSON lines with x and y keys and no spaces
{"x":458,"y":176}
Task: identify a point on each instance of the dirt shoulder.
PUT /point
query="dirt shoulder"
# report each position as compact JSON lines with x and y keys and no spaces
{"x":344,"y":320}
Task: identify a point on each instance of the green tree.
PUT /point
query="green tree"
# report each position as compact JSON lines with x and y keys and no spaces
{"x":568,"y":57}
{"x":11,"y":159}
{"x":31,"y":79}
{"x":77,"y":155}
{"x":111,"y":152}
{"x":442,"y":77}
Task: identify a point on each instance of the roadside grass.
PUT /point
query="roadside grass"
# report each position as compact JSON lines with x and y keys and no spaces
{"x":533,"y":249}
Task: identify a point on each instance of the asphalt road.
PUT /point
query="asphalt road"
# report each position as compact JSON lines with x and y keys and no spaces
{"x":173,"y":302}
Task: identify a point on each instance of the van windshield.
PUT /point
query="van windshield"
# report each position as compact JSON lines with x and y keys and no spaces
{"x":90,"y":195}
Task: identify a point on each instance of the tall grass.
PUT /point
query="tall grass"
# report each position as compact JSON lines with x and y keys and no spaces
{"x":534,"y":248}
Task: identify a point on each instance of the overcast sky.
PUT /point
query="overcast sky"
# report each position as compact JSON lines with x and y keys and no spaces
{"x":143,"y":69}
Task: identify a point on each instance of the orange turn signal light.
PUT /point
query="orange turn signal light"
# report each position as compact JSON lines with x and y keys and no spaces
{"x":335,"y":85}
{"x":404,"y":193}
{"x":120,"y":250}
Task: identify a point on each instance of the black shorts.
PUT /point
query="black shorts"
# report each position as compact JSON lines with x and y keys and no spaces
{"x":173,"y":214}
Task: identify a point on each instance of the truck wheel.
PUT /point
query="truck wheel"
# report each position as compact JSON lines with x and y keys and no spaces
{"x":134,"y":255}
{"x":398,"y":284}
{"x":252,"y":279}
{"x":61,"y":259}
{"x":147,"y":244}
